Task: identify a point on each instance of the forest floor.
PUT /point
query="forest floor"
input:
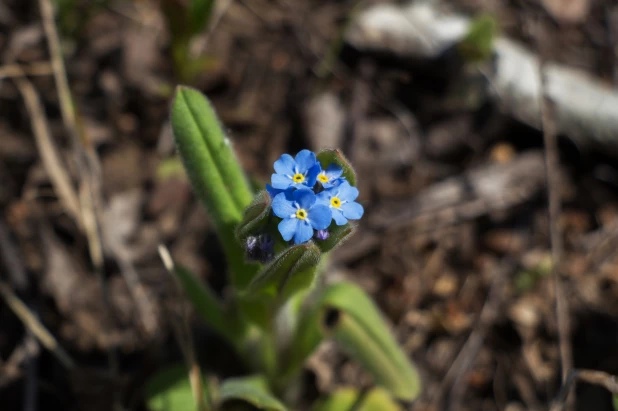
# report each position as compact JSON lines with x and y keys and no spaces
{"x":463,"y":277}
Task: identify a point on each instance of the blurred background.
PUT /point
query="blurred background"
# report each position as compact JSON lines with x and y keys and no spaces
{"x":438,"y":105}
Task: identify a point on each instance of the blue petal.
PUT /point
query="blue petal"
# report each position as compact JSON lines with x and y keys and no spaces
{"x":287,"y":228}
{"x":339,"y":217}
{"x":272,"y":191}
{"x":347,"y":192}
{"x":305,"y":159}
{"x":312,"y":175}
{"x":305,"y":198}
{"x":352,"y":211}
{"x":320,"y":216}
{"x":334,"y":183}
{"x":304,"y":232}
{"x":333,"y":171}
{"x":285,"y":165}
{"x":324,"y":198}
{"x":280,"y":182}
{"x":282,"y":207}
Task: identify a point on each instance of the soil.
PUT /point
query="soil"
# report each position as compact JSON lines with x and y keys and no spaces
{"x":464,"y":279}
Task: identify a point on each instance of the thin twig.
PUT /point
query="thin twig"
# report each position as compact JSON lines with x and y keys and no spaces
{"x":12,"y":368}
{"x":10,"y":256}
{"x":62,"y":83}
{"x":90,"y":198}
{"x":184,"y":337}
{"x":33,"y":324}
{"x":548,"y":121}
{"x":42,"y":68}
{"x":219,"y":13}
{"x":47,"y":149}
{"x":454,"y":378}
{"x":603,"y":379}
{"x":86,"y":203}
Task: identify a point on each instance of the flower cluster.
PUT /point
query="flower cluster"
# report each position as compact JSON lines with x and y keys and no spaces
{"x":308,"y":197}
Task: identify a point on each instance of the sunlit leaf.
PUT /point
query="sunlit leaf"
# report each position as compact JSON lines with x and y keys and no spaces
{"x":214,"y":172}
{"x":170,"y":390}
{"x":251,"y":390}
{"x":477,"y":45}
{"x":345,"y":313}
{"x":346,"y":398}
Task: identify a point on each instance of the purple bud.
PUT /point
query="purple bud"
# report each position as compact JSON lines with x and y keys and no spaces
{"x":250,"y":243}
{"x":321,"y":234}
{"x":267,"y":242}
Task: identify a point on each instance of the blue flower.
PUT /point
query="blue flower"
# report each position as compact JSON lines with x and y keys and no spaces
{"x":299,"y":172}
{"x":331,"y":177}
{"x":300,"y":215}
{"x":273,"y":191}
{"x":340,"y":200}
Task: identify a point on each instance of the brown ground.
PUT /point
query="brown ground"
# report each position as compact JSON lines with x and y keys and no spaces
{"x":459,"y":275}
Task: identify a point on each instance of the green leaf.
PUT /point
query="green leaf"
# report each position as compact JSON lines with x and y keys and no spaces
{"x":170,"y":168}
{"x":255,"y":216}
{"x":346,"y":398}
{"x":292,"y":270}
{"x":327,"y":157}
{"x":170,"y":390}
{"x":199,"y":14}
{"x":208,"y":306}
{"x":194,"y":66}
{"x":345,"y":313}
{"x":214,"y":172}
{"x":337,"y":235}
{"x":251,"y":390}
{"x":477,"y":45}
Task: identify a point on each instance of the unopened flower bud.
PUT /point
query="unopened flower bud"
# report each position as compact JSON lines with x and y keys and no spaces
{"x":321,"y":234}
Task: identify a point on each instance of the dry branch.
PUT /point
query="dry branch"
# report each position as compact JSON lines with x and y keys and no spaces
{"x":554,"y":205}
{"x":32,"y":323}
{"x":586,"y":109}
{"x":48,"y":151}
{"x":487,"y":189}
{"x":594,"y":377}
{"x":90,"y":200}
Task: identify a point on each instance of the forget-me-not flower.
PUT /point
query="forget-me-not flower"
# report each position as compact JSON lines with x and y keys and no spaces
{"x":340,"y":200}
{"x":301,"y":215}
{"x":331,"y":177}
{"x":299,"y":172}
{"x":273,"y":191}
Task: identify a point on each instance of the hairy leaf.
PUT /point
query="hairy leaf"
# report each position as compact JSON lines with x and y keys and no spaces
{"x":214,"y":172}
{"x":255,"y":216}
{"x":292,"y":270}
{"x":337,"y":235}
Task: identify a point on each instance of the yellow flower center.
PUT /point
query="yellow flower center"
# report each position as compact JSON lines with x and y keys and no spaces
{"x":301,"y":214}
{"x":298,"y":178}
{"x":335,"y":202}
{"x":323,"y":178}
